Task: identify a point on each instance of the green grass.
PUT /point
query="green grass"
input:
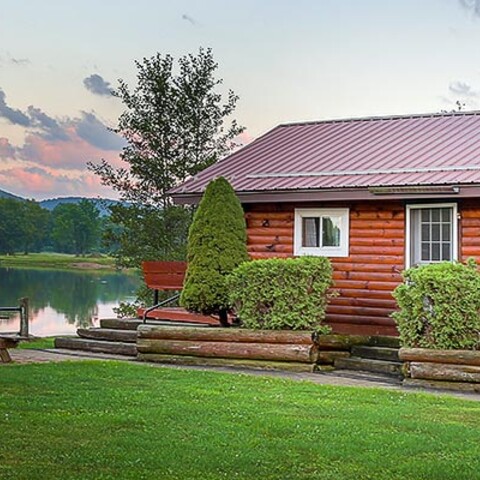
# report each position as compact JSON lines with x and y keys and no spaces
{"x":56,"y":260}
{"x":38,"y":343}
{"x":112,"y":420}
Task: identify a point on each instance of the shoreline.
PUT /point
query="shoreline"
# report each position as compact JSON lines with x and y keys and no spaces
{"x":60,"y":261}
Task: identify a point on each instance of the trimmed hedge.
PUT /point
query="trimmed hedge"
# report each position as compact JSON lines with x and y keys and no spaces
{"x":277,"y":294}
{"x":440,"y":306}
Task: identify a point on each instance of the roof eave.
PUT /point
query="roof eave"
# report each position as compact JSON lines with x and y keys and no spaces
{"x":343,"y":194}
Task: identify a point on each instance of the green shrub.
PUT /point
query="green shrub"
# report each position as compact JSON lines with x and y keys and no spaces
{"x":217,"y":243}
{"x":440,"y":306}
{"x":282,"y":293}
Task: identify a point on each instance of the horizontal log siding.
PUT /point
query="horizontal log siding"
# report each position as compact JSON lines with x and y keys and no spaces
{"x":469,"y":231}
{"x":364,"y":280}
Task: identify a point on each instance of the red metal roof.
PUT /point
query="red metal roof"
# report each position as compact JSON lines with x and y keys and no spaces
{"x":441,"y":149}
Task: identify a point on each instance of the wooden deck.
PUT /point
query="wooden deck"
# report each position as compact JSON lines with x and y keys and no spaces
{"x":178,"y":314}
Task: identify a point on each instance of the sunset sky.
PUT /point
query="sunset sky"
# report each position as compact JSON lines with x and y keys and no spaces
{"x":287,"y":60}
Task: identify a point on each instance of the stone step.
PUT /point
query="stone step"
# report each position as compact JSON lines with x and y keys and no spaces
{"x":127,"y":336}
{"x":366,"y":376}
{"x":120,"y":323}
{"x":369,"y":365}
{"x":376,"y":353}
{"x":118,"y":348}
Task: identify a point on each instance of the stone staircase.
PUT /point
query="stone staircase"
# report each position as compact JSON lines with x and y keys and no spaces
{"x":376,"y":359}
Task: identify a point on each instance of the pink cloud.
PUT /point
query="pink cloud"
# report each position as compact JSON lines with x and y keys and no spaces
{"x":6,"y":149}
{"x":43,"y":183}
{"x":71,"y":154}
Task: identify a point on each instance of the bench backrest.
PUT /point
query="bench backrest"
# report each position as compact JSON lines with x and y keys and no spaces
{"x":164,"y":275}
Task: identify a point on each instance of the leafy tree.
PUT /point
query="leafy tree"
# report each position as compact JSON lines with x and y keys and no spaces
{"x":174,"y":125}
{"x":10,"y":225}
{"x":23,"y":225}
{"x":216,"y":245}
{"x":35,"y":222}
{"x":75,"y":227}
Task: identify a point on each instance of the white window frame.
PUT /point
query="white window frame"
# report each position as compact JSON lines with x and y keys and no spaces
{"x":408,"y":229}
{"x":340,"y":251}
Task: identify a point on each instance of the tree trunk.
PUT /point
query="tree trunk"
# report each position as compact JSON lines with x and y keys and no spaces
{"x":223,"y":317}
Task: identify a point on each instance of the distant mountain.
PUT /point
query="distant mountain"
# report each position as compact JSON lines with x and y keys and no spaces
{"x":4,"y":194}
{"x":102,"y":204}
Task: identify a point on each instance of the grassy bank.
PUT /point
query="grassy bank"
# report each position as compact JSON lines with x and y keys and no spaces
{"x":126,"y":421}
{"x":58,"y":260}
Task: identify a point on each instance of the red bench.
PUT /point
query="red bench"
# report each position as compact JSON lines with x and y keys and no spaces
{"x":164,"y":276}
{"x":169,"y":276}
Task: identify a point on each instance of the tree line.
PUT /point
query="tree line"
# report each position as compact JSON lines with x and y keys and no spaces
{"x":69,"y":228}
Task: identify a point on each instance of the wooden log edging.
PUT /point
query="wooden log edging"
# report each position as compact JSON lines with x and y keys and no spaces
{"x":272,"y":349}
{"x":444,"y":369}
{"x":255,"y":351}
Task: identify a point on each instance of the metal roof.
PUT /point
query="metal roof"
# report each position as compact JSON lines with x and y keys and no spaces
{"x":437,"y":149}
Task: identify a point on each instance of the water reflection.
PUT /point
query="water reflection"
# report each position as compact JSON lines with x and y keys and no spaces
{"x":61,"y":301}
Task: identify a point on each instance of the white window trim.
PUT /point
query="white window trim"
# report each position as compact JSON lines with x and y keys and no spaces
{"x":408,"y":228}
{"x":341,"y":251}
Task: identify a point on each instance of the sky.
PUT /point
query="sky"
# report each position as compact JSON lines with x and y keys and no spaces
{"x":288,"y":60}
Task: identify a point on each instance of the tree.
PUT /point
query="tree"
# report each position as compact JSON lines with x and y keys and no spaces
{"x":75,"y":227}
{"x":216,"y":245}
{"x":23,"y":225}
{"x":174,"y":125}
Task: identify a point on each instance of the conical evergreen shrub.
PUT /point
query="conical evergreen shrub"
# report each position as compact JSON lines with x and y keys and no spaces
{"x":217,"y":243}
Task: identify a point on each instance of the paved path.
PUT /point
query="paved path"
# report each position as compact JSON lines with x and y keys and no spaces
{"x":20,"y":356}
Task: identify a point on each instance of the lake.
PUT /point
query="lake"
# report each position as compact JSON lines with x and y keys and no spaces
{"x":61,"y":301}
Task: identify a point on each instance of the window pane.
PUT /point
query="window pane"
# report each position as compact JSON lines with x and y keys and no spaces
{"x":425,"y":252}
{"x":310,"y":232}
{"x":425,"y":215}
{"x":435,"y":252}
{"x":435,"y":214}
{"x":446,"y":214}
{"x":436,"y":232}
{"x":331,"y":231}
{"x":425,"y":232}
{"x":446,"y":251}
{"x":446,"y":232}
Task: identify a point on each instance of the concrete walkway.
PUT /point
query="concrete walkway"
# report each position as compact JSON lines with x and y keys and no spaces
{"x":361,"y":380}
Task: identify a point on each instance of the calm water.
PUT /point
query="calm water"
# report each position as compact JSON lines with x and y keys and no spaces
{"x":60,"y":301}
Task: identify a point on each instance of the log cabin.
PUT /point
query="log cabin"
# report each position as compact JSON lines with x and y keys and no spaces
{"x":375,"y":195}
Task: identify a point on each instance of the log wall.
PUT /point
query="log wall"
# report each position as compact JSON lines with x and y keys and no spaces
{"x":469,"y":231}
{"x":365,"y":279}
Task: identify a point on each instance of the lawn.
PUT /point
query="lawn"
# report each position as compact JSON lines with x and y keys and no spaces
{"x":112,"y":420}
{"x":58,"y":260}
{"x":38,"y":343}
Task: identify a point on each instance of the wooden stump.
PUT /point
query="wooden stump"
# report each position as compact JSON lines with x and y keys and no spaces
{"x":4,"y":344}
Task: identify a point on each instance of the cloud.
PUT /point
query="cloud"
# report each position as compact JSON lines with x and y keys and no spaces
{"x":14,"y":116}
{"x":471,"y":5}
{"x":68,"y":155}
{"x":93,"y":131}
{"x":49,"y":127}
{"x":40,"y":183}
{"x":97,"y":85}
{"x":463,"y":89}
{"x":20,"y":61}
{"x":52,"y":159}
{"x":189,"y":19}
{"x":6,"y":149}
{"x":7,"y":59}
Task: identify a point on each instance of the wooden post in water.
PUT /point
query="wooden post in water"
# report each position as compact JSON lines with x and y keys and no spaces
{"x":24,"y":317}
